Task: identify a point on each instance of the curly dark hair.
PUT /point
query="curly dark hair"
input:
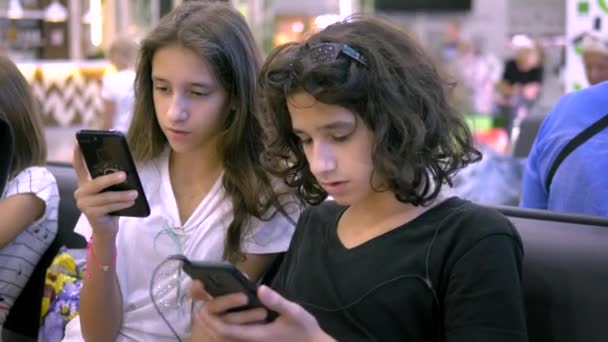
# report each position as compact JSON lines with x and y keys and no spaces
{"x":420,"y":141}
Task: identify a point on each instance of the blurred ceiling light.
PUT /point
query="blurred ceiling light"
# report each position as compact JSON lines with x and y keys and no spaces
{"x":281,"y":39}
{"x":297,"y":27}
{"x":325,"y":20}
{"x":15,"y":10}
{"x":55,"y":12}
{"x":95,"y":20}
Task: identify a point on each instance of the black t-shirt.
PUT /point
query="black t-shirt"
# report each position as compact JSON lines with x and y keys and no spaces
{"x":452,"y":274}
{"x":513,"y":75}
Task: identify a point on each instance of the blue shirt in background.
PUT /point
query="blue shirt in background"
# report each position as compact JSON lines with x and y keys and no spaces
{"x":580,"y":184}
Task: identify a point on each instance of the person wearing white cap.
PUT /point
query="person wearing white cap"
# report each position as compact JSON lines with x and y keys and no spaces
{"x":595,"y":59}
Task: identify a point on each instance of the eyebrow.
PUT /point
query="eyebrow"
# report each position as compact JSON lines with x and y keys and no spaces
{"x":194,"y":84}
{"x":331,"y":126}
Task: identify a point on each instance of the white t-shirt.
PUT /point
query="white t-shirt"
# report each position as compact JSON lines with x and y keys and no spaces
{"x":142,"y":246}
{"x":118,"y":88}
{"x":19,"y":258}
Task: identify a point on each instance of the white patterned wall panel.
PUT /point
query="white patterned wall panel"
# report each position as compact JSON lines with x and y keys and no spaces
{"x":69,"y":94}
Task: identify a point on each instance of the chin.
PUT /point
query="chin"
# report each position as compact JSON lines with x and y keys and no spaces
{"x":353,"y":198}
{"x":179,"y":148}
{"x":341,"y":200}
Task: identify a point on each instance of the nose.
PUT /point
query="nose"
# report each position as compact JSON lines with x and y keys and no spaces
{"x":178,"y":110}
{"x":322,"y":159}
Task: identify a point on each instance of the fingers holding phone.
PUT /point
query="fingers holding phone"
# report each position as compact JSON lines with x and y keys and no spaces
{"x":107,"y":157}
{"x":198,"y":292}
{"x":223,"y":306}
{"x":108,"y":182}
{"x":294,"y":323}
{"x":227,"y":293}
{"x":96,"y":204}
{"x":215,"y":320}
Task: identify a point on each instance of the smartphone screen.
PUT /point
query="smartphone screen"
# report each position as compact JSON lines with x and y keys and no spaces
{"x":107,"y":152}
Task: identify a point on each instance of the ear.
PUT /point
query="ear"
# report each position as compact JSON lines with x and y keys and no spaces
{"x":6,"y":153}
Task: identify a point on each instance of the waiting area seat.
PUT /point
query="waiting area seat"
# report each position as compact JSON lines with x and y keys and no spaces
{"x":565,"y":274}
{"x":528,"y":130}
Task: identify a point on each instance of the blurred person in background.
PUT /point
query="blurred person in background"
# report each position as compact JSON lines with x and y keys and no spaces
{"x":595,"y":59}
{"x":450,"y":41}
{"x":567,"y":177}
{"x":521,"y":82}
{"x":117,"y":88}
{"x":476,"y":73}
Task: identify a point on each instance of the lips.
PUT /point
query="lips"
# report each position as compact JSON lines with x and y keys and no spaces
{"x":334,"y":187}
{"x":177,"y":135}
{"x":177,"y":131}
{"x":332,"y":183}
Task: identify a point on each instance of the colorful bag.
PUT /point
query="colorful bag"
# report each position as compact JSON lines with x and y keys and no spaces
{"x":61,"y":296}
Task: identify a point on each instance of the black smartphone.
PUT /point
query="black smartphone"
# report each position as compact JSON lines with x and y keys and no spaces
{"x":106,"y":152}
{"x":222,"y":278}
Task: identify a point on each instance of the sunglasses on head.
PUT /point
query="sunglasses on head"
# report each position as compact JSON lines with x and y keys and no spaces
{"x":328,"y":52}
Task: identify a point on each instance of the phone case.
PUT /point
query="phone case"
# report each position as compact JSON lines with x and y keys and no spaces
{"x":223,"y":278}
{"x":106,"y":152}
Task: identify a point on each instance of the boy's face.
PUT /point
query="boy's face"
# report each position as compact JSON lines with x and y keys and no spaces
{"x":337,"y":145}
{"x":596,"y":67}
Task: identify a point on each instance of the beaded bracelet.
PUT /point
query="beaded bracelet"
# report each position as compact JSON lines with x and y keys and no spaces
{"x":93,"y":258}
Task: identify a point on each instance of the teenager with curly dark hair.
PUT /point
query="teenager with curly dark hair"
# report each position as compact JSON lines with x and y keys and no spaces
{"x":358,"y":112}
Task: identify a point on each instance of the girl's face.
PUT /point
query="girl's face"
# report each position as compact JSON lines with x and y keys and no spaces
{"x":337,"y":145}
{"x":188,"y":100}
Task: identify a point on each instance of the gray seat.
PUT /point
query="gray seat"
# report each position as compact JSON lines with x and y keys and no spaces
{"x":528,"y":130}
{"x":68,"y":212}
{"x":565,"y":274}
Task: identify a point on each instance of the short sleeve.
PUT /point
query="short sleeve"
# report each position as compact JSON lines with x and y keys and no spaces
{"x":484,"y":297}
{"x":272,"y":236}
{"x":40,"y":182}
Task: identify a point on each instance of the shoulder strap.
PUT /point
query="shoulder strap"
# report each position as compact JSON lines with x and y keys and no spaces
{"x":577,"y":141}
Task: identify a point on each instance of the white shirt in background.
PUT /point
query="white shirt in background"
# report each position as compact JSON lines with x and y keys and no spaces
{"x":118,"y":88}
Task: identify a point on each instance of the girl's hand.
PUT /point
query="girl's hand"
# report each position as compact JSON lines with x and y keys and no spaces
{"x":95,"y":204}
